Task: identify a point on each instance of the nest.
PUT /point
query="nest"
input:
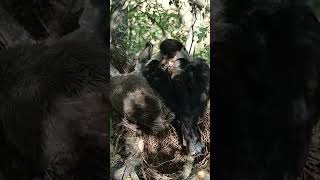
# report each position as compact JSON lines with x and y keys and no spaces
{"x":164,"y":156}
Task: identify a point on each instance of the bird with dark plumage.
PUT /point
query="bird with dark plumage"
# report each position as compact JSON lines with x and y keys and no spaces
{"x":184,"y":86}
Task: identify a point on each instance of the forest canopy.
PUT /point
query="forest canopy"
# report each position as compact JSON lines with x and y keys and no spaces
{"x":154,"y":20}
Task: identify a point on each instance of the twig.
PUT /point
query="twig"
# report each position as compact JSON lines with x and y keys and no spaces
{"x":192,"y":29}
{"x":116,"y":146}
{"x":171,"y":160}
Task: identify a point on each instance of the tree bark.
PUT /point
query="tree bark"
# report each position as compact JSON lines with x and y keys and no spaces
{"x":119,"y":36}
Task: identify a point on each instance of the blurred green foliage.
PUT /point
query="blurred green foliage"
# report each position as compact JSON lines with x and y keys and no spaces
{"x":315,"y":5}
{"x":155,"y":21}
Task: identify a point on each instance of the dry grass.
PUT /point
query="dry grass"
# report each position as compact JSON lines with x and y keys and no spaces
{"x":164,"y":156}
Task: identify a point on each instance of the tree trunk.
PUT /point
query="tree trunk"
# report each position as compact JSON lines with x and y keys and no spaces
{"x":119,"y":25}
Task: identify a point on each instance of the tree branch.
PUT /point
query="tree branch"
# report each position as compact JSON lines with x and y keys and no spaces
{"x":201,"y":4}
{"x":164,"y":34}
